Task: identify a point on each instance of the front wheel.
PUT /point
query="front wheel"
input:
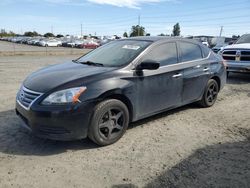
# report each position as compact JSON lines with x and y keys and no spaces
{"x":210,"y":94}
{"x":109,"y":122}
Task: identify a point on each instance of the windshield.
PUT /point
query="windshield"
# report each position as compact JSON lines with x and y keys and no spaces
{"x":243,"y":39}
{"x":115,"y":54}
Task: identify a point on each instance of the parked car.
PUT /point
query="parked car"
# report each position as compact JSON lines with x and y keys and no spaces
{"x":52,"y":43}
{"x":33,"y":41}
{"x":205,"y":43}
{"x":89,"y":45}
{"x":100,"y":93}
{"x":218,"y":48}
{"x":238,"y":55}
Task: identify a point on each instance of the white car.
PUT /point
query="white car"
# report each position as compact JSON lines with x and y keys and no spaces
{"x":51,"y":43}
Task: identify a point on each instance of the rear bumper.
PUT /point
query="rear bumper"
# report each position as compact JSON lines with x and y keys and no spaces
{"x":57,"y":123}
{"x":241,"y":66}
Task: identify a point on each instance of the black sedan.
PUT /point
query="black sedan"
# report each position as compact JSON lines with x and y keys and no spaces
{"x":100,"y":93}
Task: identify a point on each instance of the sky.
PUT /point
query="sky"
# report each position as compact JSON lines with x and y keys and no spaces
{"x":109,"y":17}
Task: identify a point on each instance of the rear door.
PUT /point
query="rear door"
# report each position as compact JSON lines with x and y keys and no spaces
{"x":197,"y":73}
{"x":160,"y":89}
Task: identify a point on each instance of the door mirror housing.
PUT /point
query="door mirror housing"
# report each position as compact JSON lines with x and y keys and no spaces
{"x":148,"y":65}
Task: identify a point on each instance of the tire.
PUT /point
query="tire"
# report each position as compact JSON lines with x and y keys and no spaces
{"x":210,"y":94}
{"x":109,"y":122}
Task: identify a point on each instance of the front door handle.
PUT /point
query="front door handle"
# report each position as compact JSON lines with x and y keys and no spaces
{"x":206,"y":69}
{"x":177,"y":75}
{"x":197,"y":67}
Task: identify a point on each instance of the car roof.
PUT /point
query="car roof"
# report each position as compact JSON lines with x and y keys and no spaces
{"x":162,"y":38}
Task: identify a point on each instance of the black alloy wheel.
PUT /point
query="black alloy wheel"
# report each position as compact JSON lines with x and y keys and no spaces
{"x":210,"y":94}
{"x":109,"y":122}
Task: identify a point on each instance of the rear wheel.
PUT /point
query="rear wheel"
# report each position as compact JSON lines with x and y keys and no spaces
{"x":210,"y":94}
{"x":109,"y":122}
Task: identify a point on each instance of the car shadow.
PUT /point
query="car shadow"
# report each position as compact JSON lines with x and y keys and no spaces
{"x":219,"y":165}
{"x":238,"y":78}
{"x":163,"y":114}
{"x":16,"y":140}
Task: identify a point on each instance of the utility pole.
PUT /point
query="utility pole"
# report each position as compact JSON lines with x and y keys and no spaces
{"x":221,"y":30}
{"x":81,"y":30}
{"x":139,"y":23}
{"x":52,"y":29}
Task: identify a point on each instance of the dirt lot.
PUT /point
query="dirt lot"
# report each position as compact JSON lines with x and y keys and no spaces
{"x":187,"y":147}
{"x":10,"y":48}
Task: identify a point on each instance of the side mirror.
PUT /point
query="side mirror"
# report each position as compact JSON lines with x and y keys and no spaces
{"x":148,"y":65}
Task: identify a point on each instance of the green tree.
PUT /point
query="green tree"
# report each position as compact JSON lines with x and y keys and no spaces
{"x":31,"y":34}
{"x":137,"y":31}
{"x":49,"y":35}
{"x":162,"y":34}
{"x":176,"y":30}
{"x":125,"y":34}
{"x":7,"y":34}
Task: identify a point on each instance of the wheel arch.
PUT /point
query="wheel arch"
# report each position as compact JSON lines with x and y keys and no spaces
{"x":217,"y":79}
{"x":117,"y":94}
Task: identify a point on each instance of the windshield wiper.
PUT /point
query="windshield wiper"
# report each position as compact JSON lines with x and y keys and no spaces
{"x":91,"y":63}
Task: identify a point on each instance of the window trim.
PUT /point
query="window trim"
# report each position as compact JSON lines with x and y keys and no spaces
{"x":159,"y":44}
{"x":178,"y":65}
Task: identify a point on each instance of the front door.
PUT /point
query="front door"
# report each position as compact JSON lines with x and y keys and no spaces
{"x":159,"y":89}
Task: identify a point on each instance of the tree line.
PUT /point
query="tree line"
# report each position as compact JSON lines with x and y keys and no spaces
{"x":140,"y":31}
{"x":3,"y":33}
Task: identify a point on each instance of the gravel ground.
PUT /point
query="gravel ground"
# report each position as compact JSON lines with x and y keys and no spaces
{"x":186,"y":147}
{"x":10,"y":48}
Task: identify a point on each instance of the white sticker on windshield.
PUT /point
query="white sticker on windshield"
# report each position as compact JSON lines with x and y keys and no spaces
{"x":131,"y":47}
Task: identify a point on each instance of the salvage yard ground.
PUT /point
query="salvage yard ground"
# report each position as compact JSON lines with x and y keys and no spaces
{"x":9,"y":49}
{"x":186,"y":147}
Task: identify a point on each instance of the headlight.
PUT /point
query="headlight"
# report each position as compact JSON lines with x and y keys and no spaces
{"x":64,"y":96}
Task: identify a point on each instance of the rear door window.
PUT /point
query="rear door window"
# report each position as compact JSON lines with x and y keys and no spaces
{"x":190,"y":51}
{"x":165,"y":54}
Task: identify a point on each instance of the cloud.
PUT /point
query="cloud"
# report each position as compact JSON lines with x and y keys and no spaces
{"x":135,"y":4}
{"x":128,"y":3}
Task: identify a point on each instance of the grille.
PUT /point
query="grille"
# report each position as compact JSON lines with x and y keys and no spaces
{"x":26,"y":97}
{"x":236,"y":55}
{"x":245,"y":55}
{"x":45,"y":130}
{"x":229,"y":55}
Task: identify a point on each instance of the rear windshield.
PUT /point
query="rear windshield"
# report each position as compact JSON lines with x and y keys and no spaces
{"x":117,"y":53}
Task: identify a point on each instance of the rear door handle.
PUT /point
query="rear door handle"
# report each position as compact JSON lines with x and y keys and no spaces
{"x":177,"y":75}
{"x":206,"y":69}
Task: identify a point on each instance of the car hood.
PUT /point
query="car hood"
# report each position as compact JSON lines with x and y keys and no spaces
{"x":53,"y":76}
{"x":238,"y":46}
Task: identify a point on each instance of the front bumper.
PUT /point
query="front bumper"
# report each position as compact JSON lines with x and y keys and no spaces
{"x":58,"y":122}
{"x":238,"y":66}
